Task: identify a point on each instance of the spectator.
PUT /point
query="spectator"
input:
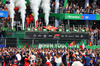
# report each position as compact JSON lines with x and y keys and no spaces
{"x":87,"y":60}
{"x":77,"y":63}
{"x":48,"y":60}
{"x":58,"y":59}
{"x":92,"y":36}
{"x":98,"y":42}
{"x":44,"y":57}
{"x":18,"y":56}
{"x":78,"y":11}
{"x":39,"y":63}
{"x":64,"y":60}
{"x":26,"y":60}
{"x":61,"y":64}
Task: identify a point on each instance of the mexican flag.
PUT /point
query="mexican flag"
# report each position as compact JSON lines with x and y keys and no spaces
{"x":82,"y":44}
{"x":72,"y":43}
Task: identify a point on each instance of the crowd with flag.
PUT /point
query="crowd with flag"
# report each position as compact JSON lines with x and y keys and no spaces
{"x":82,"y":44}
{"x":50,"y":57}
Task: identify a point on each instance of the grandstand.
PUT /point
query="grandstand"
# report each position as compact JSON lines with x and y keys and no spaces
{"x":74,"y":20}
{"x":49,"y":32}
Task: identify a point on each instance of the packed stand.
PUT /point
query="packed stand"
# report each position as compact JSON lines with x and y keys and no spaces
{"x":3,"y":20}
{"x":95,"y":36}
{"x":49,"y":57}
{"x":76,"y":9}
{"x":3,"y":7}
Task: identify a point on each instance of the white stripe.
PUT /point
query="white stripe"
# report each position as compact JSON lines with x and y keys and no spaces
{"x":83,"y":45}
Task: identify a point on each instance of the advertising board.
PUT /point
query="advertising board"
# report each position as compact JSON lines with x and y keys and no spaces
{"x":3,"y":13}
{"x":56,"y":35}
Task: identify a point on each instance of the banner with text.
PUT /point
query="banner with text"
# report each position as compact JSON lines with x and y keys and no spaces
{"x":82,"y":16}
{"x":56,"y":35}
{"x":3,"y":13}
{"x":73,"y":16}
{"x":51,"y":45}
{"x":88,"y":17}
{"x":54,"y":45}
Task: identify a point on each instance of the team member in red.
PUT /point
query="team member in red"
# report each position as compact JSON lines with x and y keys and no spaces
{"x":26,"y":60}
{"x":27,"y":21}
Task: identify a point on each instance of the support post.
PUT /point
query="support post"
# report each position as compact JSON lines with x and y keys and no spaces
{"x":86,"y":3}
{"x":56,"y":11}
{"x":32,"y":43}
{"x":57,"y":44}
{"x":5,"y":42}
{"x":68,"y":24}
{"x":87,"y":24}
{"x":18,"y":42}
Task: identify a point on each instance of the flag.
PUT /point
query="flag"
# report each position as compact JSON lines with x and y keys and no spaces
{"x":35,"y":45}
{"x":3,"y":64}
{"x":26,"y":44}
{"x":90,"y":43}
{"x":66,"y":45}
{"x":72,"y":43}
{"x":82,"y":44}
{"x":65,"y":3}
{"x":40,"y":46}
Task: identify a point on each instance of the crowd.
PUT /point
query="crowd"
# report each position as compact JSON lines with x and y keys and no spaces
{"x":94,"y":36}
{"x":2,"y":7}
{"x":76,"y":9}
{"x":3,"y":19}
{"x":49,"y":57}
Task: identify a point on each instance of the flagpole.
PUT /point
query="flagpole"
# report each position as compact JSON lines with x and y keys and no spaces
{"x":57,"y":44}
{"x":32,"y":43}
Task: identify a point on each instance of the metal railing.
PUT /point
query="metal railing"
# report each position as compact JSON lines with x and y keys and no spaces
{"x":63,"y":28}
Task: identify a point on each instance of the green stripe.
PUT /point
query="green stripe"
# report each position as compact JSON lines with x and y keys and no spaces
{"x":65,"y":3}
